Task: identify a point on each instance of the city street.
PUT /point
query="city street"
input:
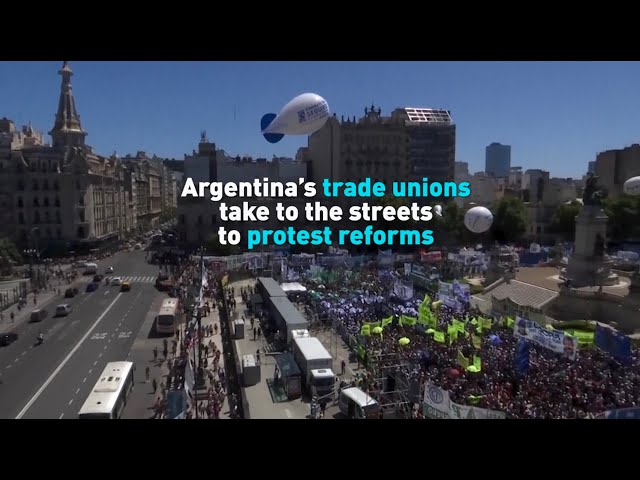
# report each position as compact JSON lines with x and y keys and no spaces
{"x":53,"y":380}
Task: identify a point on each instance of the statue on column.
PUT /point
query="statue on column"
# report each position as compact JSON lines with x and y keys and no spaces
{"x":592,"y":194}
{"x":599,"y":247}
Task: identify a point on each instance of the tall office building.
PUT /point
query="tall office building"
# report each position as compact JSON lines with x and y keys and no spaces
{"x":410,"y":144}
{"x":498,"y":160}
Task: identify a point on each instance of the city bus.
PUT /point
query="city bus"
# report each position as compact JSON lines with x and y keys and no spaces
{"x":109,"y":395}
{"x":167,"y":319}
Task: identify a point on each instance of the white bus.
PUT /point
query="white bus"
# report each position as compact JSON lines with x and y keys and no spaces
{"x":354,"y":403}
{"x":167,"y":319}
{"x":109,"y":395}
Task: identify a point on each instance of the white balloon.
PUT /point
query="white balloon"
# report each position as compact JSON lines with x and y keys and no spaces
{"x":438,"y":210}
{"x":632,"y":186}
{"x":478,"y":219}
{"x":303,"y":115}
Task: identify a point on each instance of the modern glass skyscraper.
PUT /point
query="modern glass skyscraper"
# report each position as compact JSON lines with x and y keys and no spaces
{"x":498,"y":160}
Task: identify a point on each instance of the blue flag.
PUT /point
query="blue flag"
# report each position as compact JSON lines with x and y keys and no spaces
{"x":522,"y":356}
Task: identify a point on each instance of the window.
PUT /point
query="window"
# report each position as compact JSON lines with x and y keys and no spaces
{"x":46,"y":218}
{"x":34,"y":186}
{"x":20,"y":203}
{"x":56,"y":185}
{"x":81,"y":201}
{"x":81,"y":216}
{"x":58,"y":217}
{"x":58,"y":233}
{"x":80,"y":232}
{"x":46,"y":201}
{"x":45,"y":184}
{"x":57,"y":202}
{"x":20,"y":185}
{"x":199,"y":219}
{"x":36,"y":218}
{"x":21,"y":218}
{"x":48,"y":232}
{"x":36,"y":202}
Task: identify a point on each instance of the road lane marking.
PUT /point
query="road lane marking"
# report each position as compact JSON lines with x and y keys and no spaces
{"x":70,"y":401}
{"x":16,"y":360}
{"x":107,"y":292}
{"x":99,"y":355}
{"x":66,"y":360}
{"x":90,"y":370}
{"x":85,"y":379}
{"x":60,"y":417}
{"x":24,"y":353}
{"x":77,"y":391}
{"x":105,"y":347}
{"x":8,"y":366}
{"x":94,"y":363}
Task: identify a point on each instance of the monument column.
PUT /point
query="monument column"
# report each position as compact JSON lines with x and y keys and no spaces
{"x":589,"y":264}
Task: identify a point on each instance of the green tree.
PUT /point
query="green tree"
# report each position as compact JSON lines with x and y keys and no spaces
{"x":450,"y":229}
{"x":509,"y":220}
{"x":623,"y":213}
{"x":170,"y":213}
{"x":9,"y":250}
{"x":214,"y":247}
{"x":563,"y":222}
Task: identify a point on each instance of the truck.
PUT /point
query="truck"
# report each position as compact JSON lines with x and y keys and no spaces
{"x":316,"y":365}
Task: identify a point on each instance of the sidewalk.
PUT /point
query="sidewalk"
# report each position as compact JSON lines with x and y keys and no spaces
{"x":44,"y":298}
{"x":212,"y":319}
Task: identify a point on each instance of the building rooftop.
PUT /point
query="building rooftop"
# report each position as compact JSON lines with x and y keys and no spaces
{"x":428,"y":115}
{"x":524,"y":294}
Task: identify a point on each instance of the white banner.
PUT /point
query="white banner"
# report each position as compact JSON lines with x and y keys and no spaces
{"x":456,"y":290}
{"x":404,"y":290}
{"x":438,"y":404}
{"x":189,"y":378}
{"x":554,"y":340}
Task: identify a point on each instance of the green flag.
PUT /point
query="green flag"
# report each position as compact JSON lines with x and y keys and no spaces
{"x":365,"y":330}
{"x":477,"y":341}
{"x":406,"y":320}
{"x":477,"y":362}
{"x":439,"y":337}
{"x":462,"y":360}
{"x":458,"y":325}
{"x":453,"y":334}
{"x":510,"y":322}
{"x":386,"y":321}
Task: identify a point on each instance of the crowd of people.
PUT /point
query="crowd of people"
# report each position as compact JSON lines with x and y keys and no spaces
{"x":554,"y":387}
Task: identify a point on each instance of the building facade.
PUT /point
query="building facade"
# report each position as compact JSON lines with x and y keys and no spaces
{"x":410,"y":144}
{"x":63,"y":195}
{"x":614,"y":167}
{"x":498,"y":160}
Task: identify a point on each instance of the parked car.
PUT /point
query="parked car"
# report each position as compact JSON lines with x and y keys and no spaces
{"x":115,"y":281}
{"x":92,"y":287}
{"x":71,"y":292}
{"x":63,"y":310}
{"x":8,"y":338}
{"x":126,"y":286}
{"x":38,"y":315}
{"x":109,"y":270}
{"x":98,"y":278}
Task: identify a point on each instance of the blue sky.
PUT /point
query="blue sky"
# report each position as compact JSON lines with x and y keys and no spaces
{"x":556,"y":115}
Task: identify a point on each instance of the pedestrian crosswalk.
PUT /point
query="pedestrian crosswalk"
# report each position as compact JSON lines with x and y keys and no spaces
{"x":125,"y":278}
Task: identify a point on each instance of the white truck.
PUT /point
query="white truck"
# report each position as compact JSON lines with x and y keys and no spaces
{"x":316,"y":365}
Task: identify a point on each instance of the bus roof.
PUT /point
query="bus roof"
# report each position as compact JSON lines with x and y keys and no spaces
{"x":168,"y":310}
{"x":168,"y":302}
{"x":104,"y":394}
{"x":358,"y":396}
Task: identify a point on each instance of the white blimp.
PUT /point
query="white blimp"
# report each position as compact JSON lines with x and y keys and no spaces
{"x":478,"y":219}
{"x":303,"y":115}
{"x":632,"y":186}
{"x":438,"y":210}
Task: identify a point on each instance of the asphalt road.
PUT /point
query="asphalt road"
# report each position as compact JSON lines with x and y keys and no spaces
{"x":53,"y":380}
